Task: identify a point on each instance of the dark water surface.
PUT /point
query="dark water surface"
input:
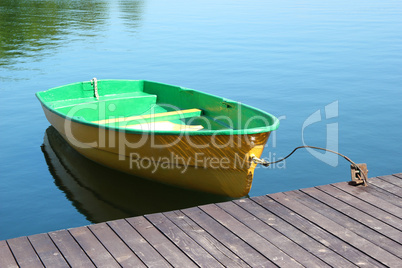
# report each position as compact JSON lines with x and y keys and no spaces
{"x":330,"y":70}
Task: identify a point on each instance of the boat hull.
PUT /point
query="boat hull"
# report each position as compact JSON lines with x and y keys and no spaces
{"x":218,"y":164}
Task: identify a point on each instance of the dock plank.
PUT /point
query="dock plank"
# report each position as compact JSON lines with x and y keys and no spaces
{"x":149,"y":256}
{"x":317,"y":232}
{"x":366,"y":194}
{"x":116,"y":247}
{"x":294,"y":234}
{"x":24,"y":253}
{"x":382,"y":194}
{"x":204,"y":239}
{"x":163,"y":245}
{"x":93,"y":248}
{"x":47,"y":251}
{"x":70,"y":249}
{"x":346,"y":218}
{"x":6,"y":257}
{"x":339,"y":231}
{"x":247,"y":253}
{"x":198,"y":254}
{"x":399,"y":176}
{"x":395,"y":179}
{"x":334,"y":225}
{"x":265,"y":247}
{"x":283,"y":243}
{"x":389,"y":187}
{"x":390,"y":223}
{"x":365,"y":215}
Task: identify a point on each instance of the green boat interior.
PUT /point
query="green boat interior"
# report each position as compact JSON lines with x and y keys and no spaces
{"x":138,"y":104}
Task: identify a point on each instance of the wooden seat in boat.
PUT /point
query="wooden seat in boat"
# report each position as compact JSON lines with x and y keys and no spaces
{"x":143,"y":119}
{"x":165,"y":126}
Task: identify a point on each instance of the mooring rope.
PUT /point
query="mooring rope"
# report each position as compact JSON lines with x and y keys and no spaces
{"x":266,"y":163}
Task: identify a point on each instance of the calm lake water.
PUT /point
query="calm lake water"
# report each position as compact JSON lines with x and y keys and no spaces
{"x":331,"y":71}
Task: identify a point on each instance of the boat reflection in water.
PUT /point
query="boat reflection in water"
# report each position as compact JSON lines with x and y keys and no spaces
{"x":103,"y":194}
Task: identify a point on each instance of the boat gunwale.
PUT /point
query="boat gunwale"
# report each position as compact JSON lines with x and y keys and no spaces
{"x":257,"y":130}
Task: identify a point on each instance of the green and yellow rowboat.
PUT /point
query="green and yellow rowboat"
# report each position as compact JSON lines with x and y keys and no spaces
{"x":169,"y":134}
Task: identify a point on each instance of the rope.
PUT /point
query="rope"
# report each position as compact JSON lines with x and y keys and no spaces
{"x":266,"y":163}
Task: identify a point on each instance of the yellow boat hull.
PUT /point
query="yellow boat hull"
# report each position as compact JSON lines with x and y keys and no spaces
{"x":218,"y":164}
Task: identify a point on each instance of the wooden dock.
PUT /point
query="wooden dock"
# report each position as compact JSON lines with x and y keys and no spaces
{"x":334,"y":225}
